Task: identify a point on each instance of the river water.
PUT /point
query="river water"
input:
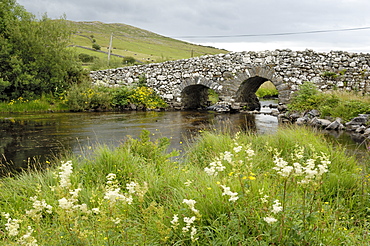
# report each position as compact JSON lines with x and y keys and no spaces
{"x":26,"y":138}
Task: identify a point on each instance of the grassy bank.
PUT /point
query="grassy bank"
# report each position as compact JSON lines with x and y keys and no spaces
{"x":345,"y":105}
{"x":291,"y":188}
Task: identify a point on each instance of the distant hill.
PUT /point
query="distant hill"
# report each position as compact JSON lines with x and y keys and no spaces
{"x":129,"y":41}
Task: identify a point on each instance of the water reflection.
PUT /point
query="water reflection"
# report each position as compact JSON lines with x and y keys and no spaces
{"x":27,"y":137}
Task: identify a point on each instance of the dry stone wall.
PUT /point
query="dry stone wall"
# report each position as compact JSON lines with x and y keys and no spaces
{"x":225,"y":73}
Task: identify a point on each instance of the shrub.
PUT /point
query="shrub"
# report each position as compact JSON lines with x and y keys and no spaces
{"x":129,"y":60}
{"x":95,"y":46}
{"x":86,"y":58}
{"x":333,"y":105}
{"x":120,"y":96}
{"x":146,"y":97}
{"x":85,"y":96}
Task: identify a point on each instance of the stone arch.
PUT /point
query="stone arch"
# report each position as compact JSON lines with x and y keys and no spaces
{"x":194,"y":92}
{"x":194,"y":96}
{"x":256,"y":76}
{"x":253,"y":78}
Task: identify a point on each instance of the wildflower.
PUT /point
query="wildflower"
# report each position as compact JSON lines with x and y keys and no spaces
{"x":276,"y":208}
{"x":188,"y":183}
{"x":193,"y":232}
{"x":28,"y":239}
{"x":38,"y":207}
{"x":269,"y":220}
{"x":227,"y":156}
{"x":95,"y":210}
{"x":65,"y":204}
{"x":12,"y":225}
{"x":116,"y":221}
{"x":188,"y":222}
{"x":237,"y":149}
{"x":214,"y":168}
{"x":175,"y":221}
{"x":233,"y":195}
{"x":65,"y":173}
{"x":191,"y":204}
{"x":131,"y":187}
{"x":113,"y":195}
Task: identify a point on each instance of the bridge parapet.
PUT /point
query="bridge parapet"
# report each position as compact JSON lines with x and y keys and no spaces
{"x":226,"y":73}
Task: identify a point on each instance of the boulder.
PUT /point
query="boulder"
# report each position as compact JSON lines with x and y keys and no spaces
{"x":335,"y":125}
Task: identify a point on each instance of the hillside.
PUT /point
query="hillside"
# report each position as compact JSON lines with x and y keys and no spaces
{"x":144,"y":46}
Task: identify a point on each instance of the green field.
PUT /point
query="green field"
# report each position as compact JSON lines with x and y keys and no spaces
{"x":130,"y":41}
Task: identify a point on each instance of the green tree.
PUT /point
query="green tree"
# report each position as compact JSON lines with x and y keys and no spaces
{"x":34,"y":58}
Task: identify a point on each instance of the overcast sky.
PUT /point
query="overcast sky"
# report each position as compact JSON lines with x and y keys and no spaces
{"x":205,"y":21}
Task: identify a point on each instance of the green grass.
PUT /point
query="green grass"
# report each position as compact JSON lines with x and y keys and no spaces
{"x":179,"y":203}
{"x":345,"y":105}
{"x":267,"y":89}
{"x":44,"y":104}
{"x":130,"y":41}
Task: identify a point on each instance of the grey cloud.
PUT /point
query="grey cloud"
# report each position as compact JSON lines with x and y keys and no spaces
{"x":222,"y":17}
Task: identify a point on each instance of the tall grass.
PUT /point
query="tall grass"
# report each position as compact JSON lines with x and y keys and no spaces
{"x":43,"y":104}
{"x":292,"y":188}
{"x":345,"y":105}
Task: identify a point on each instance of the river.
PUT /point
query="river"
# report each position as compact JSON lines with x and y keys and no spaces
{"x":32,"y":138}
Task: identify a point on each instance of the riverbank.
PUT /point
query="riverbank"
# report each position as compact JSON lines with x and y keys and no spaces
{"x":288,"y":188}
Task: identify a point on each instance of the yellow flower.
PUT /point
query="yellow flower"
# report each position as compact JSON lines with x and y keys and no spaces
{"x":251,"y":177}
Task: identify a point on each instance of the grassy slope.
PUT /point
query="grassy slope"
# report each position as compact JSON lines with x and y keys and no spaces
{"x":131,"y":41}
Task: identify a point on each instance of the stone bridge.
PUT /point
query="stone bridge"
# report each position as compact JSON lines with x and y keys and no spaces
{"x":237,"y":76}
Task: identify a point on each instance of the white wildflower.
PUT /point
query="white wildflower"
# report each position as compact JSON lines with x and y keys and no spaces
{"x":276,"y":207}
{"x":227,"y":156}
{"x":65,"y":173}
{"x":131,"y":187}
{"x":269,"y":220}
{"x":227,"y":191}
{"x":175,"y":221}
{"x":116,"y":221}
{"x":214,"y":168}
{"x":12,"y":225}
{"x":188,"y":222}
{"x":38,"y":207}
{"x":191,"y":204}
{"x":66,"y":204}
{"x":27,"y":239}
{"x":95,"y":210}
{"x":188,"y":182}
{"x":237,"y":149}
{"x":193,"y":232}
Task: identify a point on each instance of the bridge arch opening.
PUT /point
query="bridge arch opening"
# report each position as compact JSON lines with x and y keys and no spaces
{"x":246,"y":94}
{"x":195,"y":96}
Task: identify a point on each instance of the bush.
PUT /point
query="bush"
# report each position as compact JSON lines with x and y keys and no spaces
{"x":95,"y":46}
{"x":86,"y":58}
{"x":85,"y":96}
{"x":34,"y":55}
{"x":129,"y":60}
{"x":120,"y":97}
{"x":147,"y":98}
{"x":333,"y":105}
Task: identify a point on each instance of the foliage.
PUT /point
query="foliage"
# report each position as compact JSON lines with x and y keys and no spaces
{"x":84,"y":96}
{"x":121,"y":96}
{"x":96,"y":46}
{"x":267,"y":89}
{"x":146,"y":97}
{"x":129,"y":60}
{"x":35,"y":58}
{"x":45,"y":103}
{"x":212,"y":96}
{"x":292,"y":188}
{"x":329,"y":104}
{"x":86,"y":58}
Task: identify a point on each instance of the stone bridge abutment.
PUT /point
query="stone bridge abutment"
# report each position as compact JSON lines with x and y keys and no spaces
{"x":237,"y":76}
